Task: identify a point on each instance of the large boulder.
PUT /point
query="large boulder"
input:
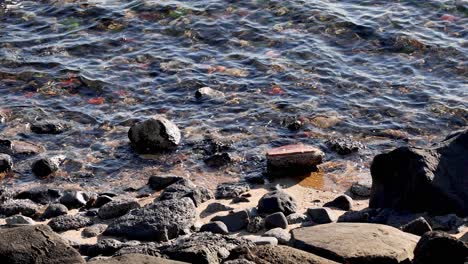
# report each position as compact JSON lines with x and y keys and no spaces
{"x":158,"y":221}
{"x":154,"y":135}
{"x":423,"y":180}
{"x":133,"y":259}
{"x":356,"y":243}
{"x":35,"y":244}
{"x":440,"y":247}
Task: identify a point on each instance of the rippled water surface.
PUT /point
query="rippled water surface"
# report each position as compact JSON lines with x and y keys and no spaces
{"x":384,"y":73}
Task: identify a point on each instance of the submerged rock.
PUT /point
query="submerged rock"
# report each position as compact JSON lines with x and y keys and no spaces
{"x":154,"y":135}
{"x":6,"y":163}
{"x":344,"y":146}
{"x":218,"y":160}
{"x":293,"y":159}
{"x":49,"y":127}
{"x":207,"y":93}
{"x":46,"y":166}
{"x":277,"y":201}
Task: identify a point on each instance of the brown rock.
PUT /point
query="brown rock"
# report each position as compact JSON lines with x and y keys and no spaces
{"x":293,"y":159}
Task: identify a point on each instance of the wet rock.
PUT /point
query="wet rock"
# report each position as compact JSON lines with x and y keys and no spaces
{"x":186,"y":188}
{"x":204,"y":248}
{"x":214,"y":208}
{"x":104,"y":247}
{"x":46,"y":166}
{"x":154,"y":135}
{"x":296,"y":218}
{"x":361,"y":189}
{"x":417,"y":227}
{"x":295,"y":124}
{"x":262,"y":240}
{"x":216,"y":227}
{"x":235,"y":220}
{"x":54,"y":210}
{"x":293,"y":159}
{"x":231,"y":190}
{"x":35,"y":244}
{"x":344,"y":146}
{"x":158,"y":221}
{"x":281,"y":234}
{"x":6,"y":194}
{"x":49,"y":127}
{"x":20,"y":149}
{"x":73,"y":199}
{"x":19,"y":220}
{"x":321,"y":215}
{"x":207,"y":93}
{"x":356,"y":243}
{"x":23,"y":207}
{"x":133,"y":259}
{"x":277,"y":201}
{"x":6,"y":163}
{"x":94,"y":230}
{"x":219,"y":160}
{"x":342,"y":202}
{"x":423,"y":180}
{"x":117,"y":208}
{"x":159,"y":182}
{"x":439,"y":247}
{"x":5,"y":115}
{"x":41,"y":195}
{"x":102,"y":200}
{"x":256,"y":224}
{"x":276,"y":220}
{"x":69,"y":222}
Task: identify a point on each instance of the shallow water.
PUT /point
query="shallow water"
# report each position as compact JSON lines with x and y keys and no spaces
{"x":386,"y":73}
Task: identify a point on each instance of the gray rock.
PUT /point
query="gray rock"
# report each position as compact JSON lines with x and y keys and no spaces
{"x":94,"y":230}
{"x":293,"y":159}
{"x":231,"y":190}
{"x":159,"y":182}
{"x":23,"y":207}
{"x":281,"y":234}
{"x":134,"y":259}
{"x":104,"y":247}
{"x":102,"y":200}
{"x":54,"y":210}
{"x":361,"y":189}
{"x":117,"y":208}
{"x":342,"y":202}
{"x":256,"y":224}
{"x":186,"y":188}
{"x":19,"y":220}
{"x":219,"y":160}
{"x":439,"y":247}
{"x":321,"y":215}
{"x":448,"y":222}
{"x":296,"y":218}
{"x":6,"y":163}
{"x":149,"y":248}
{"x":6,"y":194}
{"x":69,"y":222}
{"x":73,"y":199}
{"x":356,"y":243}
{"x":423,"y":180}
{"x":276,"y":220}
{"x":262,"y":240}
{"x":344,"y":146}
{"x":240,"y":200}
{"x":214,"y":208}
{"x":46,"y":166}
{"x":277,"y":201}
{"x":207,"y":93}
{"x":235,"y":220}
{"x":216,"y":227}
{"x":417,"y":227}
{"x":154,"y":135}
{"x":41,"y":195}
{"x":49,"y":127}
{"x":35,"y":244}
{"x":158,"y":221}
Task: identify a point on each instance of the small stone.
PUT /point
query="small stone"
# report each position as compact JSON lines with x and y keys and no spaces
{"x":207,"y":93}
{"x":6,"y":163}
{"x":255,"y":179}
{"x":49,"y":127}
{"x":159,"y":182}
{"x":46,"y":166}
{"x":440,"y":247}
{"x":117,"y":208}
{"x":281,"y":234}
{"x":256,"y":224}
{"x":102,"y":200}
{"x":342,"y":202}
{"x":235,"y":220}
{"x":344,"y":146}
{"x":259,"y":240}
{"x":104,"y":247}
{"x":214,"y":208}
{"x":231,"y":190}
{"x":92,"y":212}
{"x":295,"y":125}
{"x":73,"y":199}
{"x":23,"y":207}
{"x":94,"y":230}
{"x":216,"y":227}
{"x":361,"y":189}
{"x":296,"y":218}
{"x":68,"y":222}
{"x":219,"y":160}
{"x":293,"y":159}
{"x":417,"y":227}
{"x":240,"y":200}
{"x":19,"y":220}
{"x":154,"y":135}
{"x":54,"y":210}
{"x":277,"y":201}
{"x":447,"y":222}
{"x":276,"y":220}
{"x":321,"y":215}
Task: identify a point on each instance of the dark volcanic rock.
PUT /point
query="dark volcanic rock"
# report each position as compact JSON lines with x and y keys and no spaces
{"x":73,"y":199}
{"x":45,"y":166}
{"x":186,"y":188}
{"x":218,"y":160}
{"x":207,"y":93}
{"x":35,"y":244}
{"x":54,"y":210}
{"x":423,"y":180}
{"x":214,"y":208}
{"x":216,"y":227}
{"x":277,"y":201}
{"x":158,"y":221}
{"x":148,"y":248}
{"x":343,"y":202}
{"x":231,"y":190}
{"x":234,"y":221}
{"x":417,"y":227}
{"x":104,"y":247}
{"x":154,"y":135}
{"x":93,"y":230}
{"x":49,"y":127}
{"x":361,"y":189}
{"x":6,"y":163}
{"x":117,"y":208}
{"x":19,"y":220}
{"x":68,"y":222}
{"x":23,"y":207}
{"x":41,"y":195}
{"x":344,"y":146}
{"x":102,"y":200}
{"x":276,"y":220}
{"x":321,"y":215}
{"x":134,"y":259}
{"x":256,"y":224}
{"x":439,"y":247}
{"x":159,"y":182}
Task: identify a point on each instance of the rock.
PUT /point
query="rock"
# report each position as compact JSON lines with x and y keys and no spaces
{"x":293,"y":159}
{"x":361,"y":189}
{"x":296,"y":218}
{"x":256,"y":224}
{"x":149,"y":248}
{"x":240,"y":200}
{"x":238,"y":261}
{"x":102,"y":200}
{"x":214,"y":208}
{"x":54,"y":210}
{"x":6,"y":194}
{"x":20,"y":149}
{"x":268,"y":254}
{"x":446,"y":222}
{"x":154,"y":135}
{"x":19,"y":220}
{"x":117,"y":208}
{"x":68,"y":222}
{"x":135,"y":258}
{"x":235,"y":220}
{"x":5,"y":115}
{"x":49,"y":127}
{"x":6,"y":163}
{"x":277,"y":201}
{"x":255,"y":179}
{"x":73,"y":199}
{"x":281,"y":234}
{"x":350,"y":242}
{"x":23,"y":207}
{"x":295,"y":125}
{"x":94,"y":230}
{"x":41,"y":195}
{"x":207,"y":93}
{"x":46,"y":166}
{"x":219,"y":160}
{"x":186,"y":188}
{"x":216,"y":227}
{"x":342,"y":202}
{"x":439,"y":247}
{"x":344,"y":146}
{"x":363,"y":216}
{"x":423,"y":180}
{"x":35,"y":244}
{"x":321,"y":215}
{"x":417,"y":227}
{"x":231,"y":190}
{"x":276,"y":220}
{"x":204,"y":248}
{"x":262,"y":240}
{"x":104,"y":247}
{"x":158,"y":221}
{"x":159,"y":182}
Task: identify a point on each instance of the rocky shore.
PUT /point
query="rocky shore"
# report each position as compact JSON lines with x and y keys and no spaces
{"x":415,"y":211}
